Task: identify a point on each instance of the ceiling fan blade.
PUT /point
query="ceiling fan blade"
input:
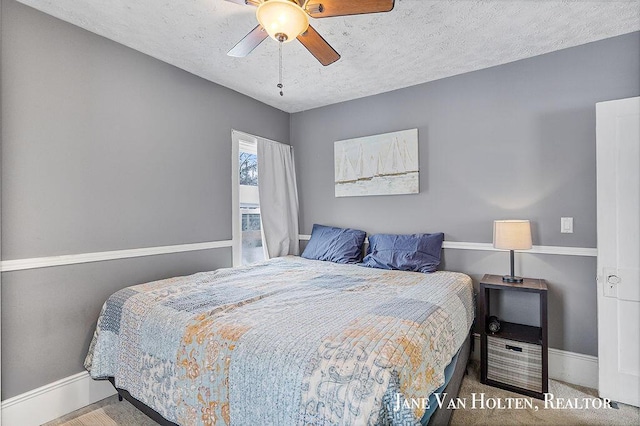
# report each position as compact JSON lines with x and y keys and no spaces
{"x":249,"y":2}
{"x":249,"y":42}
{"x":318,"y":46}
{"x":327,"y":8}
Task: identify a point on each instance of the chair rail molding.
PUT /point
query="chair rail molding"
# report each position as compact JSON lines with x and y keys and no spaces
{"x":71,"y":259}
{"x":461,"y":245}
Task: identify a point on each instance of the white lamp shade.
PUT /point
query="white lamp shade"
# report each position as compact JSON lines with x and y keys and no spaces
{"x":512,"y":234}
{"x":282,"y":17}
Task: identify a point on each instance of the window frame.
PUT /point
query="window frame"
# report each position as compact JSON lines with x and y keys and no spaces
{"x":244,"y":142}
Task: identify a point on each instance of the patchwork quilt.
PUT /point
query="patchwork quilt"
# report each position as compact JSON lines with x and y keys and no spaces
{"x":289,"y":341}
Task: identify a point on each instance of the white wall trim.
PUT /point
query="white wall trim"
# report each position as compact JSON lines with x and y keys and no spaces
{"x":71,"y":259}
{"x":559,"y":250}
{"x":461,"y":245}
{"x":570,"y":367}
{"x":237,"y":139}
{"x":575,"y":368}
{"x":54,"y":400}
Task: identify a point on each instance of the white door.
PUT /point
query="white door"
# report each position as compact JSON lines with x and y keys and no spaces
{"x":618,"y":171}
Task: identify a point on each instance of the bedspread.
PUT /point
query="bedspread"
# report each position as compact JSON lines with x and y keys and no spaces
{"x":289,"y":341}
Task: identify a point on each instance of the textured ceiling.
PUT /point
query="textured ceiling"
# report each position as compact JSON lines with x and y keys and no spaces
{"x":418,"y":41}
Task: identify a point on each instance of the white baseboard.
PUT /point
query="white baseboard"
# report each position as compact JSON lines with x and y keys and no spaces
{"x":74,"y":392}
{"x":54,"y":400}
{"x":574,"y":368}
{"x":570,"y":367}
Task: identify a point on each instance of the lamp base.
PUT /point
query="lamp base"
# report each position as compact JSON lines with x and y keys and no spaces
{"x":512,"y":279}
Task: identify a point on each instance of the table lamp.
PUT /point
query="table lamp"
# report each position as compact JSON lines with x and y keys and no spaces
{"x":512,"y":235}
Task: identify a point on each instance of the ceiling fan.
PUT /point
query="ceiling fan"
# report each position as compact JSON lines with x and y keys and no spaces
{"x":286,"y":20}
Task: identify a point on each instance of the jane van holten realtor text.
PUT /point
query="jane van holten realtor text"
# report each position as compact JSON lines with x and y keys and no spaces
{"x":479,"y":401}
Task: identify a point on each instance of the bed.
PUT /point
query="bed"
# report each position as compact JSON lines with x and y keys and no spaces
{"x":288,"y":341}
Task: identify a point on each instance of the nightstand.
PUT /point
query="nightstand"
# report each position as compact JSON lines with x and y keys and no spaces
{"x":516,"y":357}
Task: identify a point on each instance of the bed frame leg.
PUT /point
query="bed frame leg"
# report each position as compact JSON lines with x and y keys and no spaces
{"x":119,"y":397}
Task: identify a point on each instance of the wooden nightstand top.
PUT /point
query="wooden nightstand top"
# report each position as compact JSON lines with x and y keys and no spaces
{"x":535,"y":284}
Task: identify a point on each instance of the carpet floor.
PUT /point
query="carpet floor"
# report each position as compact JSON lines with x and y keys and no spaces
{"x":538,"y":414}
{"x":111,"y":412}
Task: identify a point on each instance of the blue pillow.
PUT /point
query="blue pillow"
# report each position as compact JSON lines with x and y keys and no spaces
{"x":416,"y":252}
{"x":338,"y":245}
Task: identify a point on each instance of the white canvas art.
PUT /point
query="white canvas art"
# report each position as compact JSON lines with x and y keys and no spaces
{"x":377,"y":165}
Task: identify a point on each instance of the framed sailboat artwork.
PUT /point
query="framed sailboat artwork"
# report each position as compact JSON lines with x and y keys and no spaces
{"x":385,"y":164}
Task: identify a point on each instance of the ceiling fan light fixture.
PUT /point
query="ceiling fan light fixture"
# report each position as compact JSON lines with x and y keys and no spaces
{"x":283,"y":20}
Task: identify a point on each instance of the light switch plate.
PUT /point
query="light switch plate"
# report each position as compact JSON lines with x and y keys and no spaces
{"x":566,"y":225}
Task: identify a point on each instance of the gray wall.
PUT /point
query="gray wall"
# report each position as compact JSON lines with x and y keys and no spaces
{"x":513,"y":141}
{"x":103,"y":148}
{"x":49,"y":315}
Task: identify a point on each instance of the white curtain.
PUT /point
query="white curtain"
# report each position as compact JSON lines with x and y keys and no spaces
{"x":278,"y":198}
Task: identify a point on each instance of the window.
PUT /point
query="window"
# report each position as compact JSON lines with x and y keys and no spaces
{"x":248,"y":167}
{"x":247,"y":235}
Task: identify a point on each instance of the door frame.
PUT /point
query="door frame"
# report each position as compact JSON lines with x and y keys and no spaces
{"x":613,"y":382}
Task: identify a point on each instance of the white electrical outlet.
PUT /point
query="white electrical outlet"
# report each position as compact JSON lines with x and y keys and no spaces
{"x":566,"y":225}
